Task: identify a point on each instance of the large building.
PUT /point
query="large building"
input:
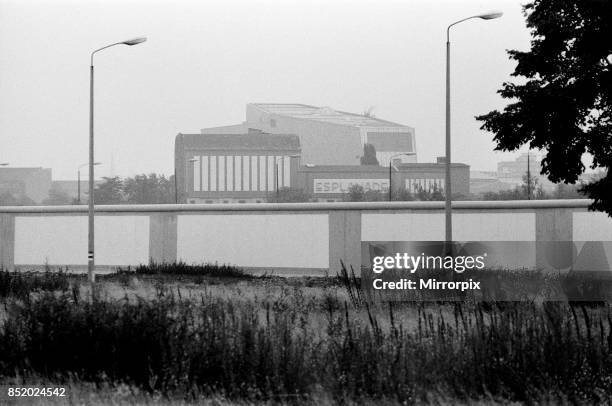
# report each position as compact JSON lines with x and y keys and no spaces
{"x":315,"y":149}
{"x":234,"y":168}
{"x":251,"y":167}
{"x":328,"y":136}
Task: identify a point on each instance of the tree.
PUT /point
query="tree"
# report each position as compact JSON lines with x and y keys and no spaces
{"x":531,"y":185}
{"x":401,"y":194}
{"x":369,"y":155}
{"x":289,"y":195}
{"x":433,"y":194}
{"x":564,"y":106}
{"x":109,"y":191}
{"x":148,"y":189}
{"x":356,"y":193}
{"x":567,"y":191}
{"x":57,"y":197}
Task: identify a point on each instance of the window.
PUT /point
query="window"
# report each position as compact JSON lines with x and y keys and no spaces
{"x":192,"y":201}
{"x":209,"y":201}
{"x":272,"y":123}
{"x":241,"y":201}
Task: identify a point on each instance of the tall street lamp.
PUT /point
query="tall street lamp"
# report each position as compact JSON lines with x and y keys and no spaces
{"x":447,"y":180}
{"x":90,"y":227}
{"x":79,"y":180}
{"x":390,"y":165}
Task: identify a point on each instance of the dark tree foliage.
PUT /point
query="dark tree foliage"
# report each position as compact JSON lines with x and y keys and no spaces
{"x":109,"y":191}
{"x":141,"y":189}
{"x":564,"y":105}
{"x":369,"y":155}
{"x":148,"y":189}
{"x":289,"y":195}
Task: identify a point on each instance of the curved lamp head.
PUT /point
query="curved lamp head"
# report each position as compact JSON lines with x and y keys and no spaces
{"x":4,"y":164}
{"x":491,"y":15}
{"x":134,"y":41}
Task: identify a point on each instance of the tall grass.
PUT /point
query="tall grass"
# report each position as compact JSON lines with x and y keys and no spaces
{"x":21,"y":284}
{"x":255,"y":350}
{"x":181,"y":268}
{"x":299,"y":347}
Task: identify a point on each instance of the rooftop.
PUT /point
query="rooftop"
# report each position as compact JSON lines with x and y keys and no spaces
{"x":252,"y":141}
{"x":325,"y":114}
{"x":377,"y":168}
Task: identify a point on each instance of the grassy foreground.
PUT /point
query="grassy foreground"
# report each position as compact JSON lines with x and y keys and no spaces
{"x":177,"y":334}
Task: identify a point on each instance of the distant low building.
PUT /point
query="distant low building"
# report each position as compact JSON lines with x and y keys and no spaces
{"x":486,"y":181}
{"x":71,"y":188}
{"x":33,"y":183}
{"x":330,"y":183}
{"x":511,"y":173}
{"x":234,"y":168}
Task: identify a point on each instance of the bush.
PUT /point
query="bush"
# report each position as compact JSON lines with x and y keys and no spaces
{"x":182,"y":268}
{"x":21,"y":284}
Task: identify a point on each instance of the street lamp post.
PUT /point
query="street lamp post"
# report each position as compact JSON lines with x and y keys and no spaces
{"x":79,"y":180}
{"x":90,"y":227}
{"x":447,"y":180}
{"x":390,"y":165}
{"x":528,"y":178}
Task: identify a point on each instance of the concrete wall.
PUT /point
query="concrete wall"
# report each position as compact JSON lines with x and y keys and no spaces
{"x":298,"y":237}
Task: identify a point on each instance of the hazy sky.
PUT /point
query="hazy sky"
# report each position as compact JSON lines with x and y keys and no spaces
{"x":205,"y":60}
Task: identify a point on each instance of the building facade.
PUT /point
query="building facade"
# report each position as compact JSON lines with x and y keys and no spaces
{"x":234,"y":168}
{"x":330,"y":183}
{"x":512,"y":172}
{"x":250,"y":168}
{"x":328,"y":136}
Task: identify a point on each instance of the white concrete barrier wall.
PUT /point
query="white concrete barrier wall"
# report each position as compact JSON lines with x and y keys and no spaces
{"x":466,"y":227}
{"x":62,"y":240}
{"x":255,"y":240}
{"x":304,"y":235}
{"x":429,"y":226}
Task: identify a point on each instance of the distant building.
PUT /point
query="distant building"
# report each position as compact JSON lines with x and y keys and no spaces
{"x":331,"y":182}
{"x":234,"y":168}
{"x":328,"y":136}
{"x":512,"y":172}
{"x":33,"y":183}
{"x":486,"y":181}
{"x":71,"y":187}
{"x":248,"y":168}
{"x":515,"y":170}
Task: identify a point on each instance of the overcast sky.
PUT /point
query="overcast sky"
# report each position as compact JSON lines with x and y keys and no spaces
{"x":205,"y":60}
